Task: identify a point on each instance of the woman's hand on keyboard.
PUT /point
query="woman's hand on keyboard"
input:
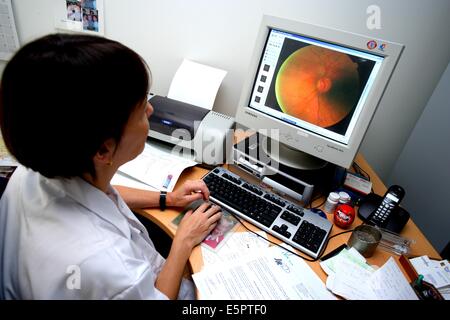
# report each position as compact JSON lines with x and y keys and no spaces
{"x":190,"y":191}
{"x":196,"y":225}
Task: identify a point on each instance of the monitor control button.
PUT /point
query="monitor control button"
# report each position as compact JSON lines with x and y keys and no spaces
{"x":318,"y":148}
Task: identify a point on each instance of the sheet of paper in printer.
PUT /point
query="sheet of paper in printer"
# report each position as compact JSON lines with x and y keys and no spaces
{"x":196,"y":84}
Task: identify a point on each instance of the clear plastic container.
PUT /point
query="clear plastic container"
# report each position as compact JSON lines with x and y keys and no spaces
{"x":394,"y":243}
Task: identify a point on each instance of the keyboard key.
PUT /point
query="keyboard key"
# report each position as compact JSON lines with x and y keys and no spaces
{"x":296,"y":210}
{"x":252,"y":188}
{"x":281,"y":203}
{"x":292,"y":218}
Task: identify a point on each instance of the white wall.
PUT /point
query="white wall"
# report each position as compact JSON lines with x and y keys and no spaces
{"x":221,"y":33}
{"x":423,"y":167}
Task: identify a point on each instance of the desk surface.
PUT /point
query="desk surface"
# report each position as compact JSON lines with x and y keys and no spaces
{"x":421,"y":247}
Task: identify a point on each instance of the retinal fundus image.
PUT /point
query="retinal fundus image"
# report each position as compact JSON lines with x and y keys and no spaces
{"x":318,"y":85}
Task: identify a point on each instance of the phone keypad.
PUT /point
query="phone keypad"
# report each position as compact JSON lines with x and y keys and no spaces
{"x":383,"y":211}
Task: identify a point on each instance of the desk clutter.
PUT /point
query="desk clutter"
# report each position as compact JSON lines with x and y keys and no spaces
{"x":246,"y":268}
{"x":350,"y":277}
{"x":435,"y":272}
{"x":242,"y":266}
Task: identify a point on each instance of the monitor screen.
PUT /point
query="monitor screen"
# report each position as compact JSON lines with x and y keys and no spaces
{"x":317,"y":87}
{"x":314,"y":85}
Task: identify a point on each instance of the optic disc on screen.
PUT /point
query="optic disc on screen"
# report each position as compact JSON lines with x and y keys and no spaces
{"x":317,"y":85}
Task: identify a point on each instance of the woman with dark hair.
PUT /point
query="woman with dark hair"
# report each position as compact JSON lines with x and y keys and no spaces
{"x":65,"y":232}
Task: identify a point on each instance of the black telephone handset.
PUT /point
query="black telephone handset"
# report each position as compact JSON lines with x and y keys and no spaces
{"x":391,"y":199}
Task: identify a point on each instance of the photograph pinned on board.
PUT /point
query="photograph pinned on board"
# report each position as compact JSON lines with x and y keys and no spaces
{"x":73,"y":10}
{"x":80,"y":16}
{"x":90,"y":20}
{"x":89,"y":4}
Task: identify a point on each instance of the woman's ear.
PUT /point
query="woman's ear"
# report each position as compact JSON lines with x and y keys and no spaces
{"x":106,"y":152}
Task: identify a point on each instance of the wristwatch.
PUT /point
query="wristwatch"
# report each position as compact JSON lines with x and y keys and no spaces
{"x":162,"y":200}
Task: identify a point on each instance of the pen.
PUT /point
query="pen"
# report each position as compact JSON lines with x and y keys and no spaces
{"x":167,"y":181}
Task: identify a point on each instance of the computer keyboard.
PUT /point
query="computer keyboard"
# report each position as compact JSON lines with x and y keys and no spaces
{"x":293,"y":224}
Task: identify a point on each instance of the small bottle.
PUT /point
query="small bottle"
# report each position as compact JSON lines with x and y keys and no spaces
{"x":344,"y":198}
{"x":332,"y":202}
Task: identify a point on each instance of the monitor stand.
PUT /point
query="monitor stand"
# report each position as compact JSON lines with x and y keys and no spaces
{"x":291,"y":157}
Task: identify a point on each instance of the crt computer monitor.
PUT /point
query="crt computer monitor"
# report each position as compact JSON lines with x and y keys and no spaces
{"x":318,"y":86}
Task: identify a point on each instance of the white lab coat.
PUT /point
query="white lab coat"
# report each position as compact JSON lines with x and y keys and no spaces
{"x":65,"y":239}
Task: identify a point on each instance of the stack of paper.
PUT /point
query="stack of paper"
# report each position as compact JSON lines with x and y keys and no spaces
{"x":350,"y":277}
{"x":7,"y":162}
{"x":157,"y":168}
{"x":267,"y":274}
{"x":435,"y":272}
{"x":6,"y":159}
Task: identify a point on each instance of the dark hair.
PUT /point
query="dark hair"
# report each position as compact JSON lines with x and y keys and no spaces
{"x":62,"y":96}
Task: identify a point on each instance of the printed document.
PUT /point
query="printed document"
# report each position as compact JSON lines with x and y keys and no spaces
{"x":269,"y":274}
{"x":355,"y":280}
{"x":389,"y":283}
{"x":157,"y":168}
{"x":237,"y":247}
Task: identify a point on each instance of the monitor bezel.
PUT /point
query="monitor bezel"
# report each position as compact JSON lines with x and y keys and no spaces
{"x":311,"y":143}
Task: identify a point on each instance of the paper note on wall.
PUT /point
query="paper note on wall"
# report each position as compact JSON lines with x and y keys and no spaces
{"x":196,"y":84}
{"x":9,"y":41}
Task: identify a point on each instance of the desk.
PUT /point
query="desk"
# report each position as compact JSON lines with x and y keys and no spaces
{"x":421,"y":247}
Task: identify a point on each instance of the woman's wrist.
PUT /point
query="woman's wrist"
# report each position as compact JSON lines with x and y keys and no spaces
{"x":182,"y":246}
{"x":170,"y":201}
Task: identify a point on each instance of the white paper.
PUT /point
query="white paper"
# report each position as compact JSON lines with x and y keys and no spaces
{"x":329,"y":265}
{"x":350,"y":280}
{"x":237,"y":246}
{"x":157,"y":168}
{"x":389,"y":283}
{"x":270,"y":273}
{"x":6,"y":159}
{"x":434,"y":272}
{"x":123,"y":180}
{"x":196,"y":84}
{"x":9,"y":41}
{"x":353,"y":279}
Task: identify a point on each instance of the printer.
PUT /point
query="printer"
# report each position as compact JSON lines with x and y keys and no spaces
{"x":205,"y":134}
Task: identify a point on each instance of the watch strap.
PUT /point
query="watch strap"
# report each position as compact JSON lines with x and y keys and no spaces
{"x":162,"y":200}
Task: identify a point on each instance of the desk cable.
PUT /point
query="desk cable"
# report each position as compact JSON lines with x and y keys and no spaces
{"x":294,"y":253}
